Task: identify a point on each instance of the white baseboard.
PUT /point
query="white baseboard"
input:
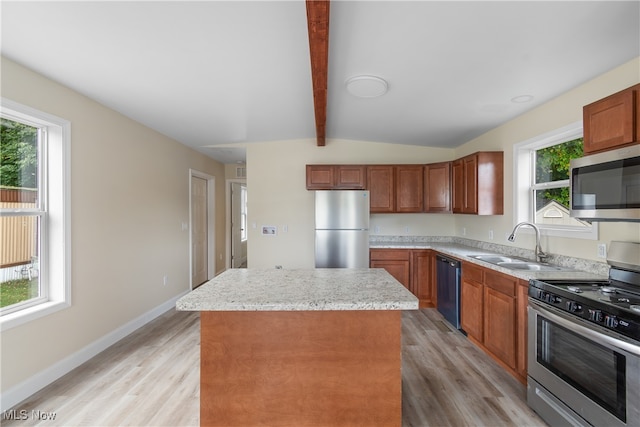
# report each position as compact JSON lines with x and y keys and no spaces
{"x":22,"y":391}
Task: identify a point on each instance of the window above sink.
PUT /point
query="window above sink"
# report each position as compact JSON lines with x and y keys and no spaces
{"x":540,"y":185}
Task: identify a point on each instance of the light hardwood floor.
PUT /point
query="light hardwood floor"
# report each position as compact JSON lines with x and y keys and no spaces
{"x":151,"y":378}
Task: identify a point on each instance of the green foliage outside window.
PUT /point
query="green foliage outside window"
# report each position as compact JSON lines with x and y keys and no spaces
{"x":18,"y":155}
{"x":552,"y":164}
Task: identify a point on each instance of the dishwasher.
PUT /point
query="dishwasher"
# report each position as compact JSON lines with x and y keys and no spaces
{"x":448,"y":286}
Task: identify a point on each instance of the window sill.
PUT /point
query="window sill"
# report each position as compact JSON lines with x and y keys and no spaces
{"x":21,"y":317}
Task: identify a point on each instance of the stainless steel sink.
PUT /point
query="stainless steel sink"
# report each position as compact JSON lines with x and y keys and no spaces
{"x":494,"y":259}
{"x":528,"y":266}
{"x":516,"y":263}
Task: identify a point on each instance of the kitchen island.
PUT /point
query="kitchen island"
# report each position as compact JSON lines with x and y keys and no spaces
{"x":317,"y":347}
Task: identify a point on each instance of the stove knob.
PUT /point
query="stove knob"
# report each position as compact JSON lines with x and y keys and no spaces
{"x":611,"y":321}
{"x":573,"y":306}
{"x":595,"y":315}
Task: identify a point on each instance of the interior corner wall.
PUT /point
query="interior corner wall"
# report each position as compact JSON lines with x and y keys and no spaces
{"x":557,"y":113}
{"x":129,"y":199}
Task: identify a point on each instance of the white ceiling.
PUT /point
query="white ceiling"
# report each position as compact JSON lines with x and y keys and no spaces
{"x":211,"y":74}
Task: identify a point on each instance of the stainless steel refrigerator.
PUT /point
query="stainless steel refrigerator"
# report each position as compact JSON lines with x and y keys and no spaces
{"x":342,"y":229}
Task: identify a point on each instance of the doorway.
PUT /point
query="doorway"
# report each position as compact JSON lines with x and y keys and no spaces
{"x":201,"y":218}
{"x":238,"y":224}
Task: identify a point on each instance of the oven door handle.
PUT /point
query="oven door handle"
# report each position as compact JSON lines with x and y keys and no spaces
{"x":584,"y":331}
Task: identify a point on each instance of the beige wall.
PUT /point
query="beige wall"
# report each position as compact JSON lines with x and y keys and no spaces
{"x":129,"y":198}
{"x":277,"y":194}
{"x":559,"y":112}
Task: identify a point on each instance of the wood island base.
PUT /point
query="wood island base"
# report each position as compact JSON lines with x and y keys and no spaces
{"x":301,"y":368}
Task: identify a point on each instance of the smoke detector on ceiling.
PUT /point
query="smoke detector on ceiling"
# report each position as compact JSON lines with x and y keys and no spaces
{"x":366,"y":86}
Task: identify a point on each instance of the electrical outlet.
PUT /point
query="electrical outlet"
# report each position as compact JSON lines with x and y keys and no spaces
{"x":602,"y":250}
{"x":406,"y":229}
{"x":490,"y":234}
{"x":165,"y":280}
{"x":464,"y":231}
{"x":376,"y":229}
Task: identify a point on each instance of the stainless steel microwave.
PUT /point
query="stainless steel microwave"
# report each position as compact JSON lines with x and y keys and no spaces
{"x":606,"y":186}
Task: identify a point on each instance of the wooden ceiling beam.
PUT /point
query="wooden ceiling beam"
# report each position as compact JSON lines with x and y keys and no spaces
{"x":318,"y":27}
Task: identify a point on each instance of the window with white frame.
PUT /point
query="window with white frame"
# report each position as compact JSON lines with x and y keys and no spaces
{"x":34,"y":214}
{"x":541,"y":188}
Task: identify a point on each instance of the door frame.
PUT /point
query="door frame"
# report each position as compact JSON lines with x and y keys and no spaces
{"x":227,"y":233}
{"x":211,"y":241}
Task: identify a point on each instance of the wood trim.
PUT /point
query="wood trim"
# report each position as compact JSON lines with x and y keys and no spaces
{"x":318,"y":28}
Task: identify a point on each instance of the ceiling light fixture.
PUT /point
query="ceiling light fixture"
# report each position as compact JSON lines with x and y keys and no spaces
{"x":366,"y":86}
{"x":521,"y":99}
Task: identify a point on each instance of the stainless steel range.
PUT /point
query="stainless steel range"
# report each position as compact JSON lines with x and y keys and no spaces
{"x":584,"y":345}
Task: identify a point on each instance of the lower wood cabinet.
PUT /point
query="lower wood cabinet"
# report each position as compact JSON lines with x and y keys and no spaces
{"x":522,"y":298}
{"x":493,"y":314}
{"x":500,"y":317}
{"x":414,"y":268}
{"x":471,"y":301}
{"x":493,"y":305}
{"x":397,"y":262}
{"x":423,"y":276}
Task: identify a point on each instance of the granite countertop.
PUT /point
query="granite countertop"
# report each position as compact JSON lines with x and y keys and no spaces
{"x":462,"y":249}
{"x":300,"y":290}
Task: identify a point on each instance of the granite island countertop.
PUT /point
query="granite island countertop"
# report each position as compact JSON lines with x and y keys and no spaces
{"x":321,"y":289}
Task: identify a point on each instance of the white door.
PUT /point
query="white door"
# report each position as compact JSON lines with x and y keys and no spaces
{"x":238,"y":246}
{"x":199,"y":231}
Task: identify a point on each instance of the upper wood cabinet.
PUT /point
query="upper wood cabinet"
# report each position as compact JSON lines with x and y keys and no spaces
{"x":320,"y":177}
{"x":409,"y":188}
{"x":395,"y":188}
{"x":612,"y":122}
{"x":437,"y":187}
{"x":478,"y":181}
{"x":351,"y":177}
{"x":336,"y":177}
{"x":470,"y":185}
{"x":382,"y":188}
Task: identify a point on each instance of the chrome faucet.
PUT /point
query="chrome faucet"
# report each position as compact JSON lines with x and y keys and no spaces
{"x":540,"y":255}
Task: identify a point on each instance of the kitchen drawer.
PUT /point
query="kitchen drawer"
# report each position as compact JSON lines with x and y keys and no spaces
{"x":472,"y":272}
{"x":389,"y":254}
{"x":501,"y":283}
